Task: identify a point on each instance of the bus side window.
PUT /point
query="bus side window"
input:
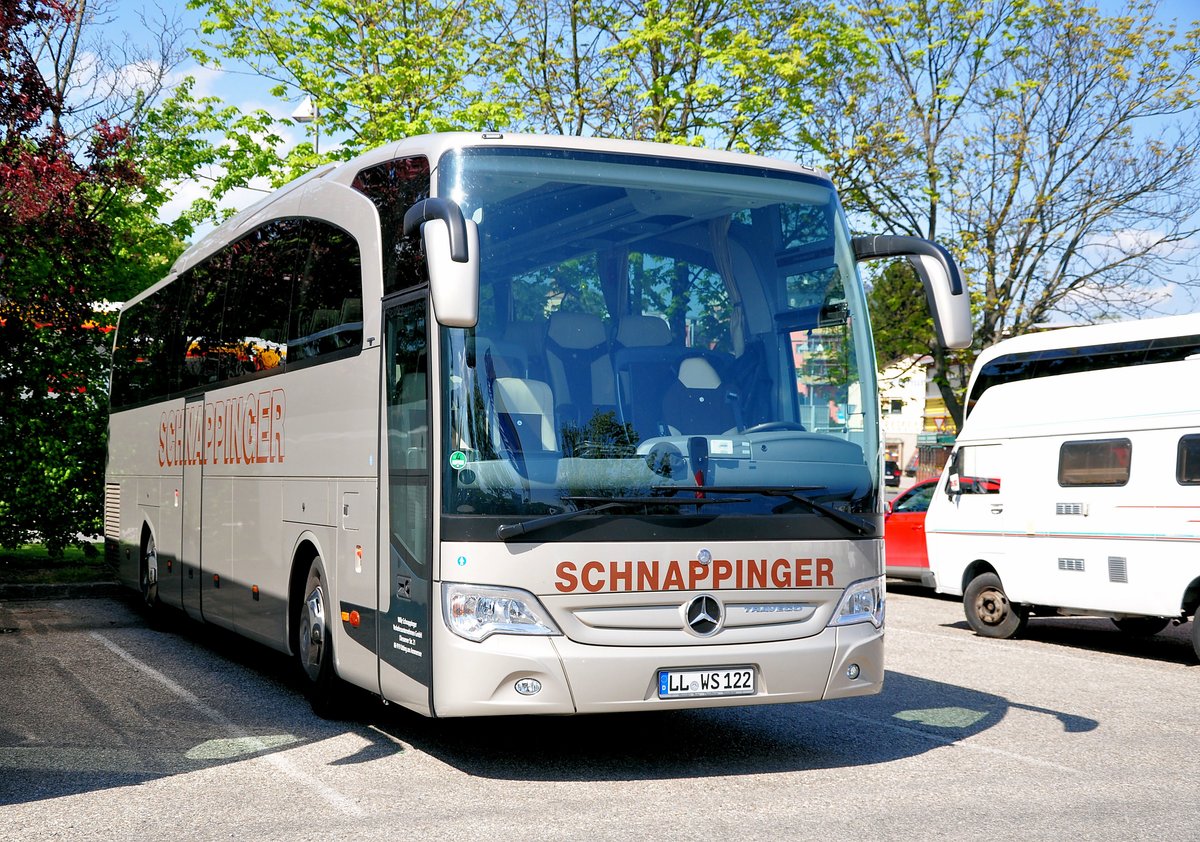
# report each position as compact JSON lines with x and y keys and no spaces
{"x":975,"y":470}
{"x":326,"y":316}
{"x":141,"y":357}
{"x":265,"y":264}
{"x":203,"y":309}
{"x":395,"y":186}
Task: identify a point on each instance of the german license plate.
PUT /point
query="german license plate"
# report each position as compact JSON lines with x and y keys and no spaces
{"x":697,"y":683}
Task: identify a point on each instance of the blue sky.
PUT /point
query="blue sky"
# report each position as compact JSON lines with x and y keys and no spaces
{"x":249,"y":92}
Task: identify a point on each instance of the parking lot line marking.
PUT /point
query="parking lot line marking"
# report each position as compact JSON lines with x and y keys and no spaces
{"x":336,"y":799}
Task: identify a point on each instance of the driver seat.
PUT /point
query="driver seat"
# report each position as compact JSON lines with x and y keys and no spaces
{"x":697,"y":403}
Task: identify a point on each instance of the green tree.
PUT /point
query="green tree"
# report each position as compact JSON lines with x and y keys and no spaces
{"x":1054,"y":148}
{"x":733,"y":74}
{"x":374,"y":70}
{"x":84,"y":165}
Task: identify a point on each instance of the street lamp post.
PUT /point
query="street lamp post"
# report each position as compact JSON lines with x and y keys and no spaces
{"x":309,"y":112}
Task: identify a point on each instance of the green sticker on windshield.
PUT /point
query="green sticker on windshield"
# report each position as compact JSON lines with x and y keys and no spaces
{"x":458,"y":460}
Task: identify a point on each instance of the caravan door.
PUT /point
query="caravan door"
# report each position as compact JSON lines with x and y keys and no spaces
{"x":966,"y":520}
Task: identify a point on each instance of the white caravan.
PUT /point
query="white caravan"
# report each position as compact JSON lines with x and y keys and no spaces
{"x":1074,"y":486}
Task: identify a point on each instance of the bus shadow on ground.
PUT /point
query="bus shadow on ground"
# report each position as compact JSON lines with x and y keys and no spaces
{"x":80,"y":719}
{"x":1172,"y":645}
{"x":75,"y":717}
{"x":911,"y":717}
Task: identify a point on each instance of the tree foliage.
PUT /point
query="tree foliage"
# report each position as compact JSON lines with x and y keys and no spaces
{"x":73,"y":232}
{"x":1053,"y":147}
{"x":375,"y":70}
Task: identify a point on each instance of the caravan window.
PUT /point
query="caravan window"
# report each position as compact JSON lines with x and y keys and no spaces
{"x":976,"y":469}
{"x":1103,"y":462}
{"x":1187,"y":467}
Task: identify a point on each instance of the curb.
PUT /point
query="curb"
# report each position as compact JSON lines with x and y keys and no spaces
{"x":73,"y":590}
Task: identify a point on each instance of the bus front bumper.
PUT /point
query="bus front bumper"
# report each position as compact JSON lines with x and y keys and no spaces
{"x":482,"y":679}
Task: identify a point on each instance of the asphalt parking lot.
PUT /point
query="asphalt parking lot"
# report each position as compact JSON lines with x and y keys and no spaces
{"x":111,"y":729}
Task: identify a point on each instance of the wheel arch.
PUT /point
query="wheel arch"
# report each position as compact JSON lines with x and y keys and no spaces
{"x":1190,"y":604}
{"x":976,"y":568}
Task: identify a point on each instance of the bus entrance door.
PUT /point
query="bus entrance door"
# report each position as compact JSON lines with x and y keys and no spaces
{"x":405,"y":577}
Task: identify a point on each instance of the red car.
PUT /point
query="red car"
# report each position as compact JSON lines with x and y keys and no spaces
{"x":904,"y":533}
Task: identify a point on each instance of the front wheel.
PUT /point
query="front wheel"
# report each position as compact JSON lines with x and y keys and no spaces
{"x":1141,"y":626}
{"x":314,"y":643}
{"x":989,"y":613}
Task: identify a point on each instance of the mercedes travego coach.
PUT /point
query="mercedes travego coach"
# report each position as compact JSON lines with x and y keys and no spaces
{"x":493,"y":424}
{"x":1074,"y":485}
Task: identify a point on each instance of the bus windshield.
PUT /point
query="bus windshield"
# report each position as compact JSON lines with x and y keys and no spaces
{"x":650,"y":326}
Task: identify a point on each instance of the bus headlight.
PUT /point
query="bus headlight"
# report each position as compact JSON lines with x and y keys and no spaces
{"x":477,"y":612}
{"x":863,"y":602}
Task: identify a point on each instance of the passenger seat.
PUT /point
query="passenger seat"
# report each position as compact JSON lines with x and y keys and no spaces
{"x":580,"y":366}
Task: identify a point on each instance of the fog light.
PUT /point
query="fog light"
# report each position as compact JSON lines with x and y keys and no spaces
{"x":852,"y":671}
{"x":528,"y":686}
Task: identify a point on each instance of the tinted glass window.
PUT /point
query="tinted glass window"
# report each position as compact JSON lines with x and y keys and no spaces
{"x":263,"y":267}
{"x":204,"y":360}
{"x":327,"y":306}
{"x":288,"y":292}
{"x":1187,"y":468}
{"x":394,"y":187}
{"x":1104,"y":462}
{"x":141,"y":356}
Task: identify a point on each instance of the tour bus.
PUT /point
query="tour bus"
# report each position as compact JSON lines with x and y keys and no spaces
{"x":494,"y":424}
{"x":1074,"y":485}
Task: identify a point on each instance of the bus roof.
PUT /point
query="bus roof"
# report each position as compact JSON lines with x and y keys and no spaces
{"x":433,"y":146}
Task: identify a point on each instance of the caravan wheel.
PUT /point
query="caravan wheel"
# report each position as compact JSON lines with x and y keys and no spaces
{"x":989,"y":613}
{"x":1196,"y":633}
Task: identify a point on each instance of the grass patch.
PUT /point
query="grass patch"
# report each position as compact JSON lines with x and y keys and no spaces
{"x":30,"y":564}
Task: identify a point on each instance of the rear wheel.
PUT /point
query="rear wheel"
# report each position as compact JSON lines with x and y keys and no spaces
{"x":1141,"y":626}
{"x":1196,"y":633}
{"x":988,"y":610}
{"x":314,"y":643}
{"x":149,"y":574}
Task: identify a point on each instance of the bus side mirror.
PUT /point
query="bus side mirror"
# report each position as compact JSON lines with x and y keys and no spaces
{"x":945,"y":291}
{"x":452,"y":256}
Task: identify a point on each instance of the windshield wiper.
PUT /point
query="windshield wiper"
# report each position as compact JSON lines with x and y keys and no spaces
{"x":507,"y":531}
{"x":860,"y":525}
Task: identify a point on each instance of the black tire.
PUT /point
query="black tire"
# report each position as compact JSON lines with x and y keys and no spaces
{"x":314,"y":644}
{"x":148,"y":574}
{"x":988,"y":610}
{"x":1141,"y":626}
{"x":152,"y":609}
{"x":1196,"y":634}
